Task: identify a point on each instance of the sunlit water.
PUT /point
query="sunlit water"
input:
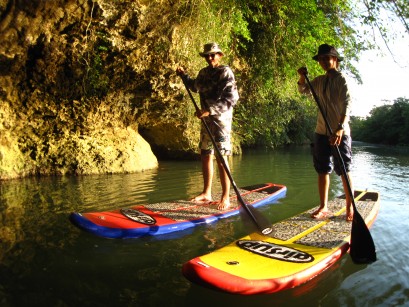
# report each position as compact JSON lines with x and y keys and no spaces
{"x":46,"y":261}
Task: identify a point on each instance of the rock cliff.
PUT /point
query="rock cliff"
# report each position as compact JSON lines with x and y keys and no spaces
{"x":82,"y":80}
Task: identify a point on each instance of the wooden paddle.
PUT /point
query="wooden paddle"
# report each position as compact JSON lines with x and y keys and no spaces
{"x":259,"y":220}
{"x":362,"y":246}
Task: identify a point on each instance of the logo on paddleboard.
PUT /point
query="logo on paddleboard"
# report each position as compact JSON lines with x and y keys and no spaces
{"x":275,"y":251}
{"x":138,"y":216}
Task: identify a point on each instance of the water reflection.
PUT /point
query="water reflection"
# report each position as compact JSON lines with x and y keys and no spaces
{"x":55,"y":264}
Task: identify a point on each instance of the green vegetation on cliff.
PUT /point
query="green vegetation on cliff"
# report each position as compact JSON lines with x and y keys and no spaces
{"x":82,"y":80}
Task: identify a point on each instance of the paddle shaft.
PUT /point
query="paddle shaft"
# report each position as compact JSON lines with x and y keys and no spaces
{"x":362,"y":256}
{"x":264,"y":229}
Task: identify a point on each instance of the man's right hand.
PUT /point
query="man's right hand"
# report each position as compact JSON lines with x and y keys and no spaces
{"x":302,"y":71}
{"x":180,"y":71}
{"x":202,"y":113}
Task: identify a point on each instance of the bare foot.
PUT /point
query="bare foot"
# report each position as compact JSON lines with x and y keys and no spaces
{"x":350,"y":214}
{"x":320,"y":214}
{"x":202,"y":198}
{"x":223,"y":205}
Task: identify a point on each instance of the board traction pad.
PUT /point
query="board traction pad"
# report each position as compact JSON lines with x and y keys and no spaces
{"x":192,"y":210}
{"x":328,"y":236}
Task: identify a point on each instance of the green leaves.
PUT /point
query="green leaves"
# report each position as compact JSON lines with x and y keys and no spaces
{"x":387,"y":124}
{"x":266,"y":41}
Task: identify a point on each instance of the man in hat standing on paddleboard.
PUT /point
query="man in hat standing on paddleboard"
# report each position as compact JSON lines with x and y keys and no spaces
{"x":332,"y":91}
{"x":218,"y":93}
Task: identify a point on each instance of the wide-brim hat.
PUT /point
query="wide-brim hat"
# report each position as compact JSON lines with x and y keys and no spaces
{"x":326,"y":49}
{"x":211,"y":48}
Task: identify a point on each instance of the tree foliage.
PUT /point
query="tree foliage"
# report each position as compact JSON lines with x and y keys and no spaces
{"x":264,"y":41}
{"x":387,"y":124}
{"x":284,"y":36}
{"x":267,"y":40}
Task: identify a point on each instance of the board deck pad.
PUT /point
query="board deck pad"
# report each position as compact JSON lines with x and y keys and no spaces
{"x":171,"y":216}
{"x":298,"y":249}
{"x":330,"y":234}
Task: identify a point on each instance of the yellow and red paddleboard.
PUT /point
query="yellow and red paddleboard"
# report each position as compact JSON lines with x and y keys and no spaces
{"x":299,"y":249}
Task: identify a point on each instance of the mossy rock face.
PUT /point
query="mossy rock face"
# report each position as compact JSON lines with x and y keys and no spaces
{"x":117,"y":151}
{"x":84,"y":85}
{"x":78,"y":81}
{"x":103,"y":146}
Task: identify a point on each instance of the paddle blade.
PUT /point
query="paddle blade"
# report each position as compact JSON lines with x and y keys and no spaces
{"x":254,"y":220}
{"x":362,"y":246}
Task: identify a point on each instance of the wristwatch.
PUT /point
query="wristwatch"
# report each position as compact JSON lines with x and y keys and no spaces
{"x":341,"y":126}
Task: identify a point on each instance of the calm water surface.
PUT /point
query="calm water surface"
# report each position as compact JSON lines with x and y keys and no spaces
{"x":46,"y":261}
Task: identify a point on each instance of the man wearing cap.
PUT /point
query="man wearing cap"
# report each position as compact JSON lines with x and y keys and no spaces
{"x":333,"y":94}
{"x":218,"y":93}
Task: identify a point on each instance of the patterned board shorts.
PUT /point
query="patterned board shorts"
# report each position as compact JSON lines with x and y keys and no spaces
{"x":221,"y":133}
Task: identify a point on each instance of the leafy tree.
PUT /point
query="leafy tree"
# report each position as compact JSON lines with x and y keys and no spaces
{"x":267,"y":40}
{"x":283,"y":36}
{"x":387,"y":124}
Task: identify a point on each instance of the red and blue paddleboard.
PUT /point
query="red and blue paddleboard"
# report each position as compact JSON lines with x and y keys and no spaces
{"x":169,"y":217}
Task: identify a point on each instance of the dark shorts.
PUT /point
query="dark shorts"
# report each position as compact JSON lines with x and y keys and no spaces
{"x":324,"y":154}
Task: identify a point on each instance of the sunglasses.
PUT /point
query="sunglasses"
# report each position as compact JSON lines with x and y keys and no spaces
{"x":211,"y":55}
{"x":325,"y":57}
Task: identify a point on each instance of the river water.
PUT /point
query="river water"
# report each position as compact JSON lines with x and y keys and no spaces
{"x":46,"y":261}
